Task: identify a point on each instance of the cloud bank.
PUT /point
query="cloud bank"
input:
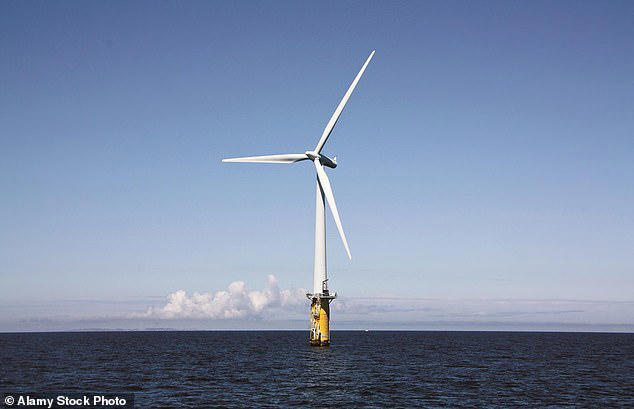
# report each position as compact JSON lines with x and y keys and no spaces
{"x":239,"y":308}
{"x":235,"y":303}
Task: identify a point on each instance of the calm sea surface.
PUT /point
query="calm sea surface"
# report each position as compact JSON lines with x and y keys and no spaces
{"x":239,"y":369}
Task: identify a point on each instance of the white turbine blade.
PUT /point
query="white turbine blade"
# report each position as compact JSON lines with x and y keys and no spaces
{"x":286,"y":158}
{"x":325,"y":185}
{"x":335,"y":117}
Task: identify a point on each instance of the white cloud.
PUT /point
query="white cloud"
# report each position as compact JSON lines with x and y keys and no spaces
{"x":235,"y":303}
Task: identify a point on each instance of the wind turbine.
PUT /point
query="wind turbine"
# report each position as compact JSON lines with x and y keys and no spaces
{"x":320,"y":297}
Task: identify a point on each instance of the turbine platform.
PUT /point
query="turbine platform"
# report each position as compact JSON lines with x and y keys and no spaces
{"x":320,"y":317}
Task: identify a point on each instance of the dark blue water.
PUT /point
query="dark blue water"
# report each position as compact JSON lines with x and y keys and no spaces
{"x":360,"y":369}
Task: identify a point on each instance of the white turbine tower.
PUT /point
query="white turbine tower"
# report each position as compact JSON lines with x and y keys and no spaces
{"x":321,"y":297}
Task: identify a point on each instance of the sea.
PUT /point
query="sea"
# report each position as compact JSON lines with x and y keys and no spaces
{"x":361,"y":369}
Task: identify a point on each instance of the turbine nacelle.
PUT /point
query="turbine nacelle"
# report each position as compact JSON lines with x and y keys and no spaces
{"x":323,"y":159}
{"x":326,"y":161}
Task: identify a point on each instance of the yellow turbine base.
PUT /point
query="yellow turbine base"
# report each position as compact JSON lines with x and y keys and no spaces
{"x":320,"y":322}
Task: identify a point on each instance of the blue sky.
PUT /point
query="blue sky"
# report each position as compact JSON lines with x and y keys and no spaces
{"x":485,"y":159}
